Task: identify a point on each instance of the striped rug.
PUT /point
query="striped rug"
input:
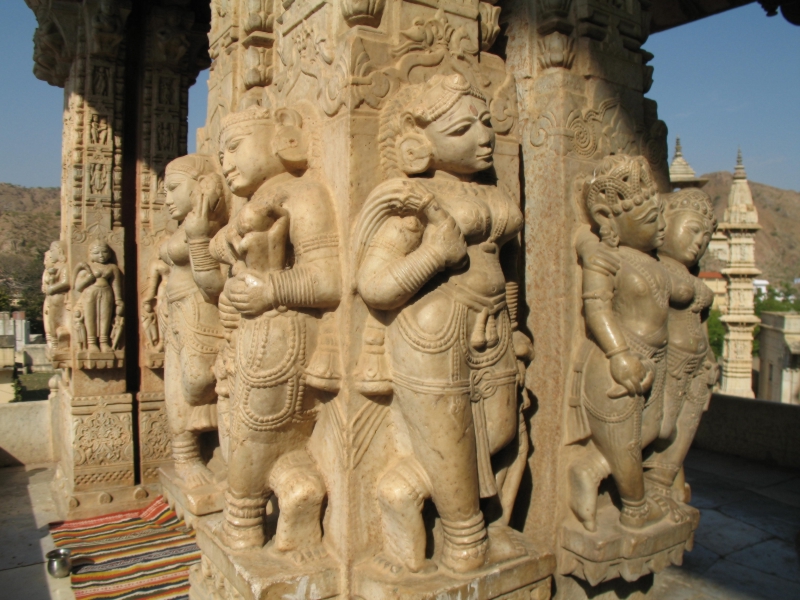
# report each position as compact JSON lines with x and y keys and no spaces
{"x":135,"y":555}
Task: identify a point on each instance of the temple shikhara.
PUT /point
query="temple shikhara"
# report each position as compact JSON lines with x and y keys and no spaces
{"x":420,"y":317}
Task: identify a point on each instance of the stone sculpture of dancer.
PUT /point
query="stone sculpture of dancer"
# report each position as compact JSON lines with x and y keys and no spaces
{"x":437,"y":252}
{"x":101,"y":306}
{"x":692,"y":368}
{"x":283,"y":250}
{"x":196,"y":200}
{"x":622,"y":366}
{"x":154,"y":311}
{"x":55,"y":285}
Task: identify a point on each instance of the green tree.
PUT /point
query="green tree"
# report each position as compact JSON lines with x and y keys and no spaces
{"x":783,"y":298}
{"x":716,"y":332}
{"x":5,"y":298}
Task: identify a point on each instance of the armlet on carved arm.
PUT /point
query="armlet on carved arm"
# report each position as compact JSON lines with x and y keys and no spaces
{"x":397,"y":264}
{"x":315,"y":280}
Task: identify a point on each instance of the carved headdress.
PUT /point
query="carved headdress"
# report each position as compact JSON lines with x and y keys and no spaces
{"x":253,"y":113}
{"x":620,"y":183}
{"x":193,"y":165}
{"x":421,"y":104}
{"x":692,"y":200}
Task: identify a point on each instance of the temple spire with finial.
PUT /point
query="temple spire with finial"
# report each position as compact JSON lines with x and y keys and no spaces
{"x":739,"y":172}
{"x":681,"y":174}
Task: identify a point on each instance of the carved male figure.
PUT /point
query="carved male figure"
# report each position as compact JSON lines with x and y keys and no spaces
{"x":101,"y":305}
{"x":195,"y":198}
{"x":283,"y":250}
{"x":623,"y":365}
{"x":55,"y":285}
{"x":437,"y":248}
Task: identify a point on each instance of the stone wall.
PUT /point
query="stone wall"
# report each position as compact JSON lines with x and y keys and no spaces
{"x":755,"y":429}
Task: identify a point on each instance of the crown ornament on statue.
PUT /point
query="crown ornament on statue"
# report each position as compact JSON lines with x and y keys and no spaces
{"x":253,"y":113}
{"x":620,"y":183}
{"x":440,"y":95}
{"x":692,"y":200}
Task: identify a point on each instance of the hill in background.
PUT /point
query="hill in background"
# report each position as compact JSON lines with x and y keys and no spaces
{"x":778,"y":242}
{"x":30,"y":218}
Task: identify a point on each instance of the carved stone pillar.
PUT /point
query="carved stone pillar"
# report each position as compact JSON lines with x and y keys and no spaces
{"x":82,"y":47}
{"x":92,"y":49}
{"x":581,"y":78}
{"x":174,"y":50}
{"x":349,"y":69}
{"x":740,"y":225}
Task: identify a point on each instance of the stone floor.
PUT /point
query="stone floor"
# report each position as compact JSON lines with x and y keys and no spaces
{"x":26,"y":507}
{"x":748,"y":543}
{"x":745,"y":549}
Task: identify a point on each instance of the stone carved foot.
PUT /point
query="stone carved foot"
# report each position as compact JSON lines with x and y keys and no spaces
{"x":504,"y":545}
{"x":393,"y":569}
{"x":585,"y":475}
{"x":194,"y":473}
{"x":671,"y":507}
{"x":299,"y":556}
{"x":242,"y":538}
{"x":642,"y":515}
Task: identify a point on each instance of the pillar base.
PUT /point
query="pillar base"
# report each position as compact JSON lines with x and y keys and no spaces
{"x":524,"y":577}
{"x":256,"y":574}
{"x":190,"y":504}
{"x":616,"y":551}
{"x":86,"y":504}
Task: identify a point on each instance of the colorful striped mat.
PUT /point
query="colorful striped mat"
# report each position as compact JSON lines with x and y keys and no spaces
{"x":135,"y":555}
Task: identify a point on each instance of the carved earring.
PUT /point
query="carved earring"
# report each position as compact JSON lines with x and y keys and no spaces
{"x":289,"y":145}
{"x":414,"y":153}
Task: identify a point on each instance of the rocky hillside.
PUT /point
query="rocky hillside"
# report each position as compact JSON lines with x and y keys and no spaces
{"x":29,"y":220}
{"x":778,"y":243}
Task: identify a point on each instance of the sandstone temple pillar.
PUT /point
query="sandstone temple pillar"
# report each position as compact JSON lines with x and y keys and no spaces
{"x":403,"y":323}
{"x":118,"y":133}
{"x":740,"y":225}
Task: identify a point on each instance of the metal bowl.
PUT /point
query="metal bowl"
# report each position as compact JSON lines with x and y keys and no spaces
{"x":59,"y":562}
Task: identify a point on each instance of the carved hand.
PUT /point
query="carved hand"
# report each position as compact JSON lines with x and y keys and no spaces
{"x":629,"y":372}
{"x":249,"y":294}
{"x":712,"y":372}
{"x":196,"y":224}
{"x":523,"y":346}
{"x":596,"y":255}
{"x":444,"y":235}
{"x":120,"y":309}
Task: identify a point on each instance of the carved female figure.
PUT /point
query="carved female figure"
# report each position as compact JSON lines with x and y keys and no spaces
{"x":622,"y":366}
{"x":283,"y":250}
{"x":195,"y":198}
{"x":55,"y":285}
{"x":691,"y":366}
{"x":437,"y":263}
{"x":101,"y":305}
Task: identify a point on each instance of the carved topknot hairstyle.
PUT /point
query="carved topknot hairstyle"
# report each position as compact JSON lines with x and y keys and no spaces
{"x":620,"y":183}
{"x":193,"y":165}
{"x":692,"y":200}
{"x":254,"y":112}
{"x":439,"y":94}
{"x":425,"y":103}
{"x":57,"y":250}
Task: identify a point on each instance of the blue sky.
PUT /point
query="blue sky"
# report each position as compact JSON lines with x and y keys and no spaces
{"x":723,"y":82}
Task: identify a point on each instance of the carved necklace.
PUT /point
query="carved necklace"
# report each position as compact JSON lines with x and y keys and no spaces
{"x":643,"y":263}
